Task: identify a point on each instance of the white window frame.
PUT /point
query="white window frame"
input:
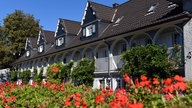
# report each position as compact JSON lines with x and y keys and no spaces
{"x":60,"y":41}
{"x":40,"y":48}
{"x":89,"y":30}
{"x":28,"y":53}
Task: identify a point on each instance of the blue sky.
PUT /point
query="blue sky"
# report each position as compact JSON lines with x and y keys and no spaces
{"x":48,"y":11}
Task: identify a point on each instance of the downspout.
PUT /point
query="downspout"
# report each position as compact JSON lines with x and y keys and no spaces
{"x":109,"y":52}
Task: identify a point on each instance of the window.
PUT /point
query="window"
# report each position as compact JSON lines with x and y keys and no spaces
{"x":28,"y":53}
{"x":89,"y":30}
{"x":152,"y":9}
{"x":40,"y":48}
{"x":60,"y":41}
{"x":176,"y":39}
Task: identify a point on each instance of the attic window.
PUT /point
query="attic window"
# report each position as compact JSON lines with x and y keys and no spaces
{"x":40,"y":48}
{"x":152,"y":9}
{"x":171,"y":4}
{"x":118,"y":21}
{"x":28,"y":53}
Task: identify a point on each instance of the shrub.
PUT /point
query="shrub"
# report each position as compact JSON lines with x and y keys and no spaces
{"x":83,"y":72}
{"x":66,"y":71}
{"x":38,"y":77}
{"x":25,"y":76}
{"x":13,"y":76}
{"x":150,"y":60}
{"x":54,"y":73}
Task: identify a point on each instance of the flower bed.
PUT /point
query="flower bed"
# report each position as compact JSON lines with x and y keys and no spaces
{"x":143,"y":92}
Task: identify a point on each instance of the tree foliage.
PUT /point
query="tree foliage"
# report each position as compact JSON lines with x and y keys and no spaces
{"x":16,"y":28}
{"x":83,"y":72}
{"x":150,"y":60}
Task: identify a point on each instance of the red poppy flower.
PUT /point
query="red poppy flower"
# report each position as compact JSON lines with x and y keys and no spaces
{"x":7,"y":106}
{"x":178,"y":78}
{"x":143,"y":78}
{"x":126,"y":78}
{"x":99,"y":98}
{"x":168,"y":81}
{"x":155,"y":81}
{"x":67,"y":102}
{"x":136,"y":105}
{"x":55,"y":69}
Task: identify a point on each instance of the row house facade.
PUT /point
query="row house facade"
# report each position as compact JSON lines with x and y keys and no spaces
{"x":105,"y":32}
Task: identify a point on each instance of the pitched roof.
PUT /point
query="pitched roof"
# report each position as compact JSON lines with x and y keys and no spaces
{"x":33,"y":42}
{"x":49,"y":36}
{"x":71,"y":27}
{"x":103,"y":12}
{"x":130,"y":16}
{"x":134,"y":15}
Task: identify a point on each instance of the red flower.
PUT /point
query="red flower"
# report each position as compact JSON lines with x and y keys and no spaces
{"x":168,"y":81}
{"x":78,"y":94}
{"x":143,"y":78}
{"x":7,"y":106}
{"x":136,"y":105}
{"x":169,"y":96}
{"x":178,"y":78}
{"x":180,"y":85}
{"x":126,"y":78}
{"x":155,"y":81}
{"x":168,"y":89}
{"x":67,"y":102}
{"x":99,"y":98}
{"x":84,"y":103}
{"x":77,"y":103}
{"x":55,"y":69}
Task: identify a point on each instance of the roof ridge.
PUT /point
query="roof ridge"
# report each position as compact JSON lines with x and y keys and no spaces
{"x":69,"y":20}
{"x":101,"y":4}
{"x":48,"y":30}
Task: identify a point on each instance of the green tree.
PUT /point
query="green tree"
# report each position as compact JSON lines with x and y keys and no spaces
{"x":150,"y":60}
{"x":16,"y":28}
{"x":83,"y":72}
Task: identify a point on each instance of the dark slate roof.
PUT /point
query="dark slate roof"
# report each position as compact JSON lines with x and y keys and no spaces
{"x":71,"y":27}
{"x":49,"y":36}
{"x":33,"y":42}
{"x":103,"y":12}
{"x":133,"y":14}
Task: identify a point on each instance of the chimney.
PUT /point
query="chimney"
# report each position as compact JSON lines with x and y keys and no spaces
{"x":115,"y":5}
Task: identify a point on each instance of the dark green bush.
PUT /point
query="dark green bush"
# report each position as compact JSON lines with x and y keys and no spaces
{"x":83,"y":72}
{"x":13,"y":76}
{"x":38,"y":77}
{"x":25,"y":76}
{"x":150,"y":60}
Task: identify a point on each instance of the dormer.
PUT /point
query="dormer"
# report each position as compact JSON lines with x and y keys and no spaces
{"x":66,"y":31}
{"x":30,"y":46}
{"x":41,"y":41}
{"x":45,"y":40}
{"x":95,"y":19}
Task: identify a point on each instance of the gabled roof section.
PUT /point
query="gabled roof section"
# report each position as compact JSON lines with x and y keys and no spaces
{"x":45,"y":36}
{"x":134,"y":13}
{"x":68,"y":27}
{"x":33,"y":42}
{"x":102,"y":12}
{"x":71,"y":27}
{"x":49,"y":36}
{"x":30,"y":43}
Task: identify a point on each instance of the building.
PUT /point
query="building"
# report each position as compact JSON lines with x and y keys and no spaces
{"x":105,"y":32}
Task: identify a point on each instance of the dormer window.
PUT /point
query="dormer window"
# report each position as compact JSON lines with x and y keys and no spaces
{"x":59,"y":41}
{"x":28,"y":53}
{"x":152,"y":9}
{"x":89,"y":30}
{"x":40,"y":48}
